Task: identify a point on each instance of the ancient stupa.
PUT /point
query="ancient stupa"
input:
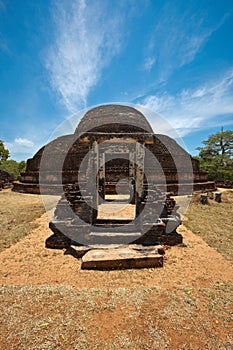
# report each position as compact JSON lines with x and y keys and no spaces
{"x":104,"y":121}
{"x":115,"y":177}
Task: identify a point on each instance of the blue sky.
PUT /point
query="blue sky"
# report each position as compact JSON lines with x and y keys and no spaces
{"x":58,"y":57}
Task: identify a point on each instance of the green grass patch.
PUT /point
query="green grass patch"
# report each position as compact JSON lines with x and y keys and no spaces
{"x":17,"y":213}
{"x":213,"y":222}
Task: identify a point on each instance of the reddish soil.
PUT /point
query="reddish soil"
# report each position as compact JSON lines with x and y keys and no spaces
{"x":28,"y":262}
{"x":184,"y":305}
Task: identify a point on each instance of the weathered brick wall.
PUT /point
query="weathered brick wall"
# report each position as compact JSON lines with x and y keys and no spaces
{"x":164,"y":159}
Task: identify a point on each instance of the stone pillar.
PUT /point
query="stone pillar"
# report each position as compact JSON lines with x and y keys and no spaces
{"x":218,"y":197}
{"x":204,"y":198}
{"x":140,"y":154}
{"x":211,"y":195}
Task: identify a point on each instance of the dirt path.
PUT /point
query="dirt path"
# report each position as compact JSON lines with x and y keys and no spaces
{"x":29,"y":263}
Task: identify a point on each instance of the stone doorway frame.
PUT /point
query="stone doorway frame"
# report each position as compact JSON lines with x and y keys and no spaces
{"x":120,"y":146}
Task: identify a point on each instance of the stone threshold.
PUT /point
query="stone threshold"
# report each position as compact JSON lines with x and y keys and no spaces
{"x":112,"y":256}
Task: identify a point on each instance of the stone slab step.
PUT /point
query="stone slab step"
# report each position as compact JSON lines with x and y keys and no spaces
{"x":112,"y":222}
{"x":115,"y":234}
{"x":121,"y":258}
{"x":83,"y":249}
{"x":113,"y":237}
{"x":114,"y":227}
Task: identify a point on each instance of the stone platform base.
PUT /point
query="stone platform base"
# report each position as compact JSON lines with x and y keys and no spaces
{"x":127,"y":257}
{"x":181,"y":189}
{"x":35,"y":188}
{"x":171,"y":239}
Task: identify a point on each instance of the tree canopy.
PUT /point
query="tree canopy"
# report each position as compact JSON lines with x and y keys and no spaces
{"x":4,"y":153}
{"x":11,"y":166}
{"x":216,"y":156}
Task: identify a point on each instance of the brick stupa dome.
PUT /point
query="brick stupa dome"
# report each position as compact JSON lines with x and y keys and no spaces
{"x":113,"y":118}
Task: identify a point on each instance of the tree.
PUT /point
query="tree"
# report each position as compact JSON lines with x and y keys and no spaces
{"x":216,"y":156}
{"x":22,"y":166}
{"x":11,"y":166}
{"x":4,"y":153}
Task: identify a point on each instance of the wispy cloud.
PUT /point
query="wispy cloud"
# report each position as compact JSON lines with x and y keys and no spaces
{"x":149,"y":62}
{"x":206,"y":106}
{"x":3,"y":42}
{"x":23,"y":142}
{"x":178,"y":36}
{"x":21,"y":148}
{"x":2,"y":6}
{"x":87,"y":38}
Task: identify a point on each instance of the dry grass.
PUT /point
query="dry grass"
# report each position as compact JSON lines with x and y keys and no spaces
{"x":144,"y":317}
{"x":138,"y":318}
{"x":213,"y":222}
{"x":17,"y":211}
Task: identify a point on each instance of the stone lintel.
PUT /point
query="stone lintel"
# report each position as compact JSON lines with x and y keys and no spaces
{"x":122,"y":258}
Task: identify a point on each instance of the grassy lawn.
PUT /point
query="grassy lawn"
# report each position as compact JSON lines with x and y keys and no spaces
{"x":17,"y":211}
{"x":52,"y":317}
{"x":213,"y":222}
{"x":60,"y":317}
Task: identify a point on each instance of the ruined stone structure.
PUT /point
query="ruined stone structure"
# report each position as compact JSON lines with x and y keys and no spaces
{"x":113,"y":160}
{"x":6,"y":179}
{"x":101,"y":124}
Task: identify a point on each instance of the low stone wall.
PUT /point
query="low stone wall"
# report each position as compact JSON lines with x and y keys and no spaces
{"x":35,"y":188}
{"x":189,"y":188}
{"x":224,"y":183}
{"x":181,"y":189}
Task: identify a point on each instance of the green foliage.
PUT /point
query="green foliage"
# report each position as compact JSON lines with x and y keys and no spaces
{"x":4,"y":153}
{"x":216,"y":156}
{"x":22,"y":166}
{"x":12,"y":167}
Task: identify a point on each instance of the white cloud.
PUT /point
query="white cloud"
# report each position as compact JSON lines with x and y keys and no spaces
{"x":149,"y":63}
{"x":178,"y":37}
{"x":21,"y":148}
{"x":23,"y":142}
{"x":86,"y":40}
{"x":195,"y":109}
